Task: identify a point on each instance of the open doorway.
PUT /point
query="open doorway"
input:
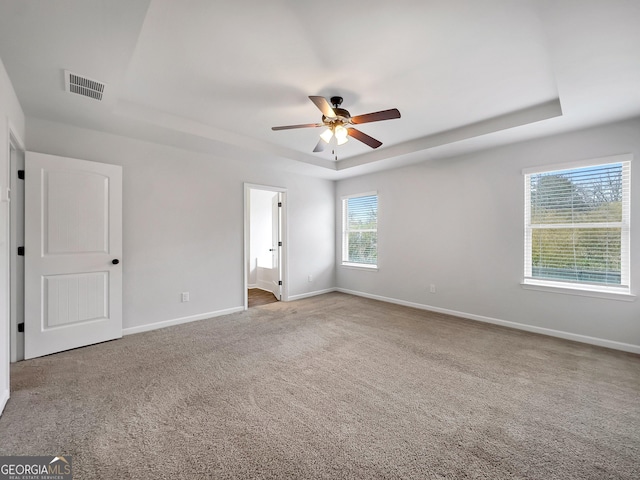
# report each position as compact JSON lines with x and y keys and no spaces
{"x":265,"y":248}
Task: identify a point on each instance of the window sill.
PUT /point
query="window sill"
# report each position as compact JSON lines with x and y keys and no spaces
{"x":360,"y":266}
{"x":611,"y":293}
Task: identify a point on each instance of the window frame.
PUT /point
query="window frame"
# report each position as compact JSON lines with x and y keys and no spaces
{"x":345,"y":231}
{"x":577,"y":288}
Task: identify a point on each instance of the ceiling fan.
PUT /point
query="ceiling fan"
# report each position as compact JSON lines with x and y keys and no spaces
{"x":339,"y":123}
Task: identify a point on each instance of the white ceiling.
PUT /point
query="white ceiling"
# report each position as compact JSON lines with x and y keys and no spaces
{"x":216,"y":76}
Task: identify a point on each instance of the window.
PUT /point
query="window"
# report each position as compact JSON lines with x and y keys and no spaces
{"x":360,"y":230}
{"x":577,"y":226}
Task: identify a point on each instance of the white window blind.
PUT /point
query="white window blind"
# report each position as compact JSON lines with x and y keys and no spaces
{"x":577,"y":225}
{"x":360,"y":230}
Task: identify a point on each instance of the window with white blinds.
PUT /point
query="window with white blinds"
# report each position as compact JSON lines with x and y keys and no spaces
{"x":577,"y":225}
{"x":360,"y":230}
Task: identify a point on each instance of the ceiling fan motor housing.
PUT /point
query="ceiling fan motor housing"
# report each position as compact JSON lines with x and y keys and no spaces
{"x":336,"y":101}
{"x":342,"y":117}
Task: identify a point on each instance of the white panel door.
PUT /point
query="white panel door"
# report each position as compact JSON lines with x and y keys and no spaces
{"x":276,"y":272}
{"x":73,"y":248}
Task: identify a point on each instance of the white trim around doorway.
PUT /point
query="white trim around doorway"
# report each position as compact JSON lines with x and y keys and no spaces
{"x":285,"y":239}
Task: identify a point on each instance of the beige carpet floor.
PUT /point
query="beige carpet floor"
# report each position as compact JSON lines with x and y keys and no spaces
{"x":331,"y":387}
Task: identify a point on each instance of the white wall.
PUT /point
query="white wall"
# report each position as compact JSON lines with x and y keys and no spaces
{"x":458,"y":223}
{"x":183,"y":223}
{"x":11,"y":119}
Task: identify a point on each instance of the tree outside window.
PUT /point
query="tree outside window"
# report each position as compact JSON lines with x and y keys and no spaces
{"x":360,"y":230}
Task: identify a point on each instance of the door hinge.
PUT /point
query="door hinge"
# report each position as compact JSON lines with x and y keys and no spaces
{"x":279,"y":204}
{"x":21,"y":327}
{"x":21,"y":174}
{"x":21,"y":251}
{"x":279,"y":282}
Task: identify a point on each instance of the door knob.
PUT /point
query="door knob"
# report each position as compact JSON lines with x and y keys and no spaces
{"x":115,"y":261}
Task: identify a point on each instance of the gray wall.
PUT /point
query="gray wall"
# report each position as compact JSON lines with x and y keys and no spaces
{"x":184,"y":220}
{"x":458,"y":223}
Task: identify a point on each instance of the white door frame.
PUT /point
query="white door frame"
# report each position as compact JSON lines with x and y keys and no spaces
{"x":13,"y":140}
{"x":16,"y":271}
{"x":285,"y":239}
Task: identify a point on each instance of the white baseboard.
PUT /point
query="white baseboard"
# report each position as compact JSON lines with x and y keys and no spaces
{"x":252,"y":285}
{"x":4,"y":398}
{"x":262,"y":289}
{"x":179,"y":321}
{"x":264,"y":285}
{"x":312,"y":294}
{"x":601,"y":342}
{"x":625,"y":347}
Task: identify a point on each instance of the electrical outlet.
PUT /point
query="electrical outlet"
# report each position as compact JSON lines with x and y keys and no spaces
{"x":432,"y":288}
{"x":185,"y":296}
{"x":310,"y":279}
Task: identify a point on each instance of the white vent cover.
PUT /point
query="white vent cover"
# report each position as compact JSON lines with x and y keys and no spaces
{"x":81,"y":85}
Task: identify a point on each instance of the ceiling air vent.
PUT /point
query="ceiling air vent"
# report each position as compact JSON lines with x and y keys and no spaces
{"x":87,"y":87}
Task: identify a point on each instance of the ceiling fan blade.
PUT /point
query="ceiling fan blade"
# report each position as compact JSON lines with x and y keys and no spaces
{"x":320,"y":146}
{"x":323,"y":105}
{"x":376,"y":116}
{"x":364,"y":138}
{"x":304,"y":125}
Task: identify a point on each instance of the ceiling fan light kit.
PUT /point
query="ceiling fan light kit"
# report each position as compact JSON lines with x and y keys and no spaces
{"x":326,"y":135}
{"x":341,"y":134}
{"x":339,"y":123}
